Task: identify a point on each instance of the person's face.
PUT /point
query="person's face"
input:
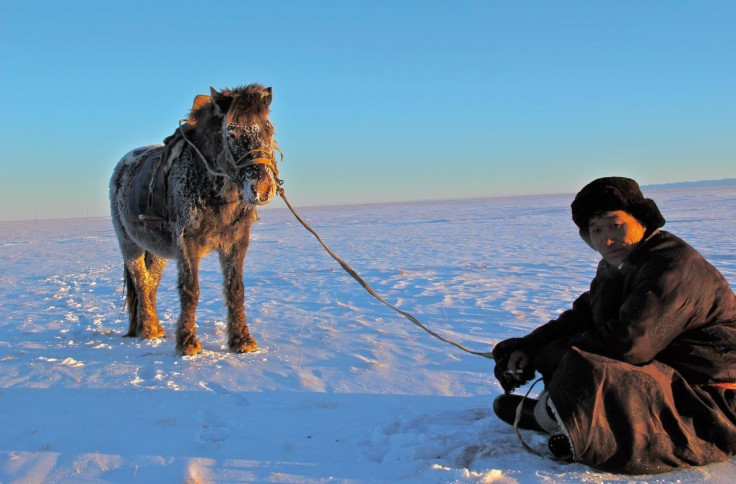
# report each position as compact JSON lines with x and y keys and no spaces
{"x":614,"y":235}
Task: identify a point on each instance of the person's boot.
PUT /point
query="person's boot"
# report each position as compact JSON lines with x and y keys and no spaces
{"x":560,"y":447}
{"x":535,"y":414}
{"x":504,"y":406}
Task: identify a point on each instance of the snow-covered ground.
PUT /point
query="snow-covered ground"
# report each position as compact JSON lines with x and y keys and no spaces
{"x":343,"y":389}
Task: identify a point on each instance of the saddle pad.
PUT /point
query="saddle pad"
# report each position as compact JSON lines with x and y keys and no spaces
{"x":145,"y":205}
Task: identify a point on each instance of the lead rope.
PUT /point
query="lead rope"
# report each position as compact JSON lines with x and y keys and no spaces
{"x":370,"y":290}
{"x":354,"y":275}
{"x":270,"y":162}
{"x":517,"y":419}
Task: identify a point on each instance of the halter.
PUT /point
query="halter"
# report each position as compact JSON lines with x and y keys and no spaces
{"x":269,"y":160}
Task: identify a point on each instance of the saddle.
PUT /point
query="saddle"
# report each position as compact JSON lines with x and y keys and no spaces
{"x":148,"y":194}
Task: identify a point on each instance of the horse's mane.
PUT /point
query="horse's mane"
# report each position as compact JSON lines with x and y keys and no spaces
{"x":241,"y":104}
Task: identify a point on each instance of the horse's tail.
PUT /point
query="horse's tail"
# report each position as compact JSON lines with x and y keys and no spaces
{"x":131,"y":301}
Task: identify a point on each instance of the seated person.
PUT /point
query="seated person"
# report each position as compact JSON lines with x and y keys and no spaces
{"x":640,"y":374}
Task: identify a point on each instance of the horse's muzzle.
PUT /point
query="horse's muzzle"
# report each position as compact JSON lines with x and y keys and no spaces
{"x":260,"y":190}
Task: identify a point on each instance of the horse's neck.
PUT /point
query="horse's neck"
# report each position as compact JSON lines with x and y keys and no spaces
{"x":206,"y":154}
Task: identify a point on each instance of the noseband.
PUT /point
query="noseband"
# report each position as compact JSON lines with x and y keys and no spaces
{"x":269,"y":160}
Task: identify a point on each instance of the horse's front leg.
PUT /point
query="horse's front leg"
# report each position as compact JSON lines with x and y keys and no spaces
{"x":188,"y":284}
{"x":239,"y":338}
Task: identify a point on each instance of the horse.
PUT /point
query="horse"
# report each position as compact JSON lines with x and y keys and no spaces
{"x":194,"y":194}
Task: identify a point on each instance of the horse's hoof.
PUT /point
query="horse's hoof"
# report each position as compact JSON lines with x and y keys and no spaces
{"x":133,"y":332}
{"x":244,"y":345}
{"x":153,"y":332}
{"x":191,"y":348}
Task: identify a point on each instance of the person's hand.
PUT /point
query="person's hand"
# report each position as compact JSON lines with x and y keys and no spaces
{"x":517,"y":366}
{"x":504,"y":348}
{"x":513,"y":365}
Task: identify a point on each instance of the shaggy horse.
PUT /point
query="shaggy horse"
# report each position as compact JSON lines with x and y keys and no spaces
{"x":195,"y":193}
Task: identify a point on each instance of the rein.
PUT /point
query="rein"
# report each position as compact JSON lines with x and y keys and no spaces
{"x":270,"y":162}
{"x":354,"y":275}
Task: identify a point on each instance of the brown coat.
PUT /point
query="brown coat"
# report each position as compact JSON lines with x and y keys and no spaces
{"x":632,"y":368}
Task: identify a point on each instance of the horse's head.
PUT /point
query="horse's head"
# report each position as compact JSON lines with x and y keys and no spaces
{"x":247,"y":144}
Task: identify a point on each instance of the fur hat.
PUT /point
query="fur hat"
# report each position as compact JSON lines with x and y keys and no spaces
{"x":610,"y":194}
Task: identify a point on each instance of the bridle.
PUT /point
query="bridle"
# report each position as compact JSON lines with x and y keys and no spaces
{"x":267,"y":158}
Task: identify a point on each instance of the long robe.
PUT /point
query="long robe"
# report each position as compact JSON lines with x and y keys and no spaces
{"x":638,"y":369}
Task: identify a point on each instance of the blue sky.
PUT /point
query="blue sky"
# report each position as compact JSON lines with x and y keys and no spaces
{"x":375,"y":101}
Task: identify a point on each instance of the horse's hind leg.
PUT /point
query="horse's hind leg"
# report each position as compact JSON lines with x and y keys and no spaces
{"x":131,"y":302}
{"x":155,"y":267}
{"x":239,"y":338}
{"x":143,"y":275}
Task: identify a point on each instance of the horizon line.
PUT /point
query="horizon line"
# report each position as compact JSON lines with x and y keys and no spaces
{"x":653,"y":186}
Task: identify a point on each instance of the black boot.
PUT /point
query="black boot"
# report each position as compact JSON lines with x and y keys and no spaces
{"x":560,"y":447}
{"x":505,"y":408}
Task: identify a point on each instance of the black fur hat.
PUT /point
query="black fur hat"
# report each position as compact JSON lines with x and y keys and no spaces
{"x":610,"y":194}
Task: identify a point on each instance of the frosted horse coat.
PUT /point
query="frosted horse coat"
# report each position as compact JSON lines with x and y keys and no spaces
{"x":195,"y":193}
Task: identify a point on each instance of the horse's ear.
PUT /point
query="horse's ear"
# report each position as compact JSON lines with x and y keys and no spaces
{"x":267,"y":96}
{"x":221,"y":101}
{"x":200,"y":101}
